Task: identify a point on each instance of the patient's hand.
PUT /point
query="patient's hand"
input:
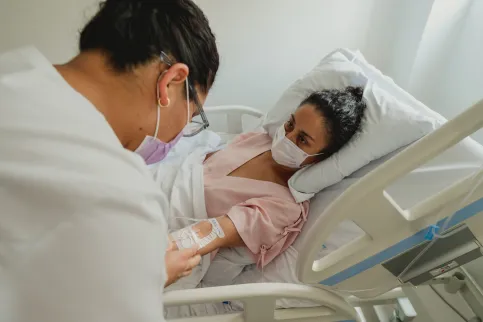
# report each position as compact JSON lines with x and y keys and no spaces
{"x":179,"y":263}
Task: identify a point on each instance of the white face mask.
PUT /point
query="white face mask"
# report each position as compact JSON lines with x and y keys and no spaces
{"x":287,"y":153}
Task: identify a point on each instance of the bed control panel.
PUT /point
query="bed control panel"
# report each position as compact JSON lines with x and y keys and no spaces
{"x":458,"y":248}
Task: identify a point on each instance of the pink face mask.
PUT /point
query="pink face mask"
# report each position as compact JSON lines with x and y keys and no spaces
{"x":152,"y":149}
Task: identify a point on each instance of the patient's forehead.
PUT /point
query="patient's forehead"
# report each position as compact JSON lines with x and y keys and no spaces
{"x":313,"y":123}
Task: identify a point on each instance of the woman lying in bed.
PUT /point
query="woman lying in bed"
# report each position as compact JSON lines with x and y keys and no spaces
{"x":246,"y":184}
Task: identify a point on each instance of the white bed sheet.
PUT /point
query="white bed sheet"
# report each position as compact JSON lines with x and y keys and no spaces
{"x":453,"y":165}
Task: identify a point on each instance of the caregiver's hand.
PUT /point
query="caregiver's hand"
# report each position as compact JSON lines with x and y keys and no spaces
{"x":179,"y":263}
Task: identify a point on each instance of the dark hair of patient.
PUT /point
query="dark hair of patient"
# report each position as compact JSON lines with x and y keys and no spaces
{"x":343,"y":111}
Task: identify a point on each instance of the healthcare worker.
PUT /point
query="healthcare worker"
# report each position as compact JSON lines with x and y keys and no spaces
{"x":82,"y":225}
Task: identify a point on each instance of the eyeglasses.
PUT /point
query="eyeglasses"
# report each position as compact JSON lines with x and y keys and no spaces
{"x":194,"y":127}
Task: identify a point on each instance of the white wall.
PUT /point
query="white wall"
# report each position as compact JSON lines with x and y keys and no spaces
{"x":462,"y":80}
{"x":35,"y":22}
{"x":437,"y":46}
{"x":431,"y":48}
{"x":447,"y":74}
{"x":265,"y":45}
{"x":463,"y":77}
{"x":394,"y":36}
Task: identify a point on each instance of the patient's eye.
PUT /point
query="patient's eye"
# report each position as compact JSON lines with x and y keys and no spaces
{"x":302,"y":139}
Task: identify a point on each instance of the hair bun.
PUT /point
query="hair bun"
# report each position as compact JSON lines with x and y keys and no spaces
{"x":358,"y":92}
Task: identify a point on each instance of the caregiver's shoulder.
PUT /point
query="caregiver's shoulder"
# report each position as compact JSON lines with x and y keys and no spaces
{"x":54,"y":135}
{"x":84,"y":210}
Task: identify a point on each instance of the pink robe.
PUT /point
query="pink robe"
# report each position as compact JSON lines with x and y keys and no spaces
{"x":264,"y":213}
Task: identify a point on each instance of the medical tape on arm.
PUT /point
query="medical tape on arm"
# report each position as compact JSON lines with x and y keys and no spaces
{"x":188,"y":237}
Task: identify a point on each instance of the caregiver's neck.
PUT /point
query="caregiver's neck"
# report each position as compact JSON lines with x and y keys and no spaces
{"x":113,"y":93}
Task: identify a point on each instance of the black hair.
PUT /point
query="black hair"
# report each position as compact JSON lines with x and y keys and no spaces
{"x":343,"y":112}
{"x":134,"y":32}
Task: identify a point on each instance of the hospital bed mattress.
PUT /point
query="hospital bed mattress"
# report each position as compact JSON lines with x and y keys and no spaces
{"x":451,"y":166}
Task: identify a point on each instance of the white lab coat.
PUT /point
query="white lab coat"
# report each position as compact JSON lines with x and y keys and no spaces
{"x":82,"y":230}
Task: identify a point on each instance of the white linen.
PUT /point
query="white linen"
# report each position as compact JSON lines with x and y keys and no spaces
{"x":228,"y":264}
{"x":82,"y":231}
{"x":183,"y":184}
{"x":180,"y":177}
{"x":388,"y":123}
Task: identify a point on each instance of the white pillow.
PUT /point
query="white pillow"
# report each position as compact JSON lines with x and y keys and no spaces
{"x":388,"y":124}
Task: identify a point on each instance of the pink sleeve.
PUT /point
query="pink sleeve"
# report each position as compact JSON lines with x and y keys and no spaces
{"x":268,"y":225}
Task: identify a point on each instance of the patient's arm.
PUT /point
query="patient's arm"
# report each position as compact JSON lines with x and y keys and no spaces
{"x":231,"y":238}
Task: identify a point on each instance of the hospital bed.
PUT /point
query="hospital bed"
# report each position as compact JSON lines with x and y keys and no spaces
{"x":397,"y":204}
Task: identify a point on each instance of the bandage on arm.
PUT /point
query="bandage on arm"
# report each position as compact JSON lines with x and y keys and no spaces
{"x":208,"y":235}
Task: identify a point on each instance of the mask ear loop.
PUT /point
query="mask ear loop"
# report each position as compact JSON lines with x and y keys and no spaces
{"x":187,"y":101}
{"x":308,"y":156}
{"x":157,"y":122}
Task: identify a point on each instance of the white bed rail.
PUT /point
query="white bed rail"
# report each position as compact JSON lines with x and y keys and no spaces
{"x":370,"y":207}
{"x":259,"y":303}
{"x":234,"y":115}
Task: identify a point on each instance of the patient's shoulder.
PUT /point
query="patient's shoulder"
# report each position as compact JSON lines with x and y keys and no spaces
{"x":251,"y":137}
